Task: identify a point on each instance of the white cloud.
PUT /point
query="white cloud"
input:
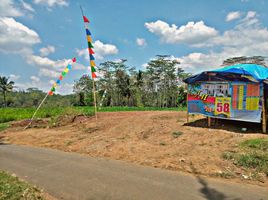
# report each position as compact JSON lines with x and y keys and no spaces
{"x":52,"y":73}
{"x":248,"y":38}
{"x":14,"y":77}
{"x":51,"y":68}
{"x":8,"y":9}
{"x":251,"y":14}
{"x":35,"y":79}
{"x":16,"y":37}
{"x":101,"y":50}
{"x":232,"y":16}
{"x":27,"y":6}
{"x":191,"y":33}
{"x":51,"y":3}
{"x":45,"y":51}
{"x":141,"y":42}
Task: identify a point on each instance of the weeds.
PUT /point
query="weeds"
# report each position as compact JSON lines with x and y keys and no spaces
{"x":228,"y":155}
{"x":13,"y":188}
{"x":259,"y":144}
{"x":177,"y":134}
{"x":253,"y":155}
{"x":225,"y":174}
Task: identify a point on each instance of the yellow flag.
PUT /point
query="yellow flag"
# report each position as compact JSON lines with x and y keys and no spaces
{"x":92,"y":63}
{"x":89,"y":39}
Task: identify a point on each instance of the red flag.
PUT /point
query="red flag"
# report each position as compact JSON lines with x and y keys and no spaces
{"x":50,"y":93}
{"x":61,"y":77}
{"x":85,"y":19}
{"x":94,"y":75}
{"x":74,"y":59}
{"x":90,"y":50}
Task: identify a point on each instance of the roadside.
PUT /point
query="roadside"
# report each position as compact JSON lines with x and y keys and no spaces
{"x":157,"y":139}
{"x":75,"y":176}
{"x":11,"y":187}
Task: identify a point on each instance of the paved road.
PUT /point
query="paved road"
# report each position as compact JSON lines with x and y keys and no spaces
{"x":74,"y":176}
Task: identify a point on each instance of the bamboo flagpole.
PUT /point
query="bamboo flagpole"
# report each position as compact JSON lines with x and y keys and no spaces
{"x":52,"y":90}
{"x":91,"y":59}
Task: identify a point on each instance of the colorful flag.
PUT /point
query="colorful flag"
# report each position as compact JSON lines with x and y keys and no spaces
{"x":90,"y":48}
{"x":65,"y":71}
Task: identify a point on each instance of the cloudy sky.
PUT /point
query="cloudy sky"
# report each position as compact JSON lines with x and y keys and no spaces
{"x":37,"y":38}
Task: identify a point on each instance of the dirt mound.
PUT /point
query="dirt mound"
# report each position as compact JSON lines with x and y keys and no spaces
{"x":36,"y":123}
{"x":160,"y":139}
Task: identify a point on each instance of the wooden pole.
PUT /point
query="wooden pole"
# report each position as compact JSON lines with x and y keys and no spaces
{"x":94,"y":89}
{"x":187,"y":103}
{"x":36,"y":112}
{"x":264,"y":119}
{"x":95,"y":101}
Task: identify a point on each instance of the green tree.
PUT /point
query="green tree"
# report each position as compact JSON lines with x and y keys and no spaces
{"x":116,"y":82}
{"x":5,"y":87}
{"x":162,"y":84}
{"x":83,"y":88}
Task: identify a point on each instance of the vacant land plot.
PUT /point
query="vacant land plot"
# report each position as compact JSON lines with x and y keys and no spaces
{"x":160,"y":139}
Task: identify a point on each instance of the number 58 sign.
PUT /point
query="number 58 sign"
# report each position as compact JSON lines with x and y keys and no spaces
{"x":222,"y":106}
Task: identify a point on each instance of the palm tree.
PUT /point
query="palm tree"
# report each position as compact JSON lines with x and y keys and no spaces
{"x":5,"y":87}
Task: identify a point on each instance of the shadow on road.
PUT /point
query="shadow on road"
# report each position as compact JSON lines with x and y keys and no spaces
{"x":208,"y":192}
{"x":230,"y":125}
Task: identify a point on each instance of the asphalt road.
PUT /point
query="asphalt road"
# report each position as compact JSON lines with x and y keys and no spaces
{"x":75,"y":176}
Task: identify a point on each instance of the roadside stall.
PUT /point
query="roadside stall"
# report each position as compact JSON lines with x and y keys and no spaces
{"x":236,"y":92}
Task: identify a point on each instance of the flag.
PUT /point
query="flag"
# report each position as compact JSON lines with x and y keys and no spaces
{"x":85,"y":19}
{"x":90,"y":48}
{"x":64,"y":72}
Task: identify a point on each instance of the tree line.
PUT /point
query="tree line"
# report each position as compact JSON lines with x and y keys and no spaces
{"x":158,"y":85}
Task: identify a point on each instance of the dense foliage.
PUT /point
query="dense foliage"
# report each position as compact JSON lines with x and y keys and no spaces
{"x":160,"y":85}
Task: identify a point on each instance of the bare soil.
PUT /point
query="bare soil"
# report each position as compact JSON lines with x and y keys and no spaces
{"x":160,"y":139}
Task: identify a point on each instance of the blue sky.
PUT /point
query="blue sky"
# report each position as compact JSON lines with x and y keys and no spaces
{"x":38,"y":37}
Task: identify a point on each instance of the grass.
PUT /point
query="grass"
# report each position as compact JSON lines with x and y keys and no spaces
{"x":13,"y":188}
{"x":253,"y":154}
{"x":177,"y":134}
{"x":258,"y":143}
{"x":13,"y":114}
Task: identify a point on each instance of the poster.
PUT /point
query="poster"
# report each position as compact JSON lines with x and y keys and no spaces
{"x":228,"y":100}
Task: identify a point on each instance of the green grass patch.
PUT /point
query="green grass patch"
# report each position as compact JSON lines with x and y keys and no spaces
{"x":258,"y":143}
{"x":254,"y":159}
{"x":14,"y":114}
{"x":13,"y":188}
{"x":253,"y":154}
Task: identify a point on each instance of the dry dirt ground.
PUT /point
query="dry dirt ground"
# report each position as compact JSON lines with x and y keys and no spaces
{"x":160,"y":139}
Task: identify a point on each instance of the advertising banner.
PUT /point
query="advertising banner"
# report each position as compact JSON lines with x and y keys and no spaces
{"x":228,"y":100}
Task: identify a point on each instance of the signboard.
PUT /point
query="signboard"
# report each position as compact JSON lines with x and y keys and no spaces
{"x":228,"y":100}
